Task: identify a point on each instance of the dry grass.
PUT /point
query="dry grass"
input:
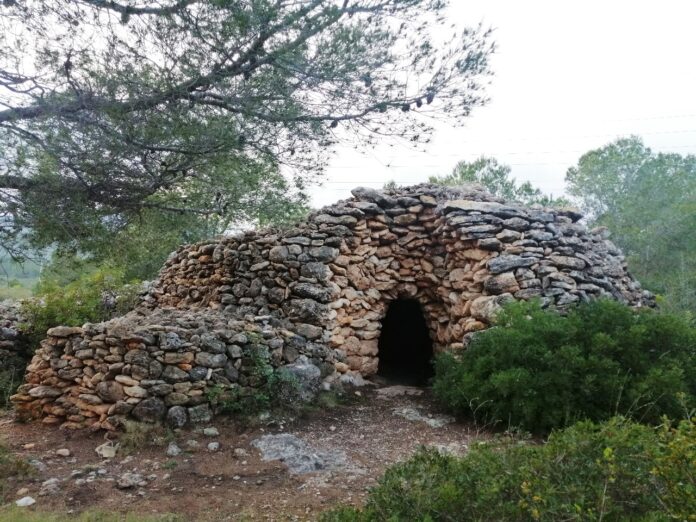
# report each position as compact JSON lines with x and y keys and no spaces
{"x":139,"y":435}
{"x":11,"y":469}
{"x":15,"y":514}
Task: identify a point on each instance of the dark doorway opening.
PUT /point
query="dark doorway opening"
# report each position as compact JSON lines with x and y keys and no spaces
{"x":405,"y":348}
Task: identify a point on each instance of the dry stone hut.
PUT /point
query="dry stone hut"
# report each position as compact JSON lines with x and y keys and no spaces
{"x":373,"y":284}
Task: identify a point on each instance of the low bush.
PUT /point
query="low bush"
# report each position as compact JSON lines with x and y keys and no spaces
{"x":11,"y":470}
{"x":74,"y":294}
{"x":10,"y":379}
{"x":96,"y":295}
{"x":615,"y":471}
{"x":272,"y":389}
{"x":139,"y":435}
{"x":540,"y":370}
{"x":13,"y":362}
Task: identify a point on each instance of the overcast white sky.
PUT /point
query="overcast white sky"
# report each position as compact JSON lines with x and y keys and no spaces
{"x":569,"y":77}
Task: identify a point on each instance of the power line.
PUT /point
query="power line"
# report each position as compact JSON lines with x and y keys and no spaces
{"x":662,"y":117}
{"x":388,"y":165}
{"x":437,"y":165}
{"x":517,"y":153}
{"x":571,"y":137}
{"x":610,"y":134}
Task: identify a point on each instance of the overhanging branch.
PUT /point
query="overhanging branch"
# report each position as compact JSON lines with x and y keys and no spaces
{"x":127,"y":10}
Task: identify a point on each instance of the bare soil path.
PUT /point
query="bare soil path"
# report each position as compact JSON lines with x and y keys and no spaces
{"x":347,"y":448}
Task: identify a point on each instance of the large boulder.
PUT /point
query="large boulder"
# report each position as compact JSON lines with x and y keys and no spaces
{"x":486,"y":308}
{"x":300,"y":380}
{"x":177,"y":417}
{"x":110,"y":391}
{"x":150,"y":410}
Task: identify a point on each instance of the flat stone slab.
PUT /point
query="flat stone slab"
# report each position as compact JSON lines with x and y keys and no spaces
{"x":399,"y":391}
{"x":434,"y":421}
{"x":299,"y":456}
{"x":485,"y":207}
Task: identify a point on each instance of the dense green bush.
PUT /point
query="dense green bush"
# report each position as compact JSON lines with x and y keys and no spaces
{"x":540,"y":370}
{"x":95,"y":295}
{"x":616,"y":471}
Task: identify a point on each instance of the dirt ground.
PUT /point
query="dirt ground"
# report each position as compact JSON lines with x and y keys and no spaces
{"x":234,"y":482}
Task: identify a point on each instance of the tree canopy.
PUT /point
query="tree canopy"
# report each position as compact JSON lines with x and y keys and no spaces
{"x":221,"y":109}
{"x":648,"y":202}
{"x":495,"y":177}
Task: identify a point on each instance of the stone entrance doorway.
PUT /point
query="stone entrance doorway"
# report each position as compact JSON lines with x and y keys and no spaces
{"x":405,"y":346}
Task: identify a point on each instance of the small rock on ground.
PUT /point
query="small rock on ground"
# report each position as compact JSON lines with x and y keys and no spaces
{"x":106,"y":450}
{"x":25,"y":502}
{"x":38,"y":465}
{"x":130,"y":480}
{"x":353,"y":379}
{"x":50,"y":487}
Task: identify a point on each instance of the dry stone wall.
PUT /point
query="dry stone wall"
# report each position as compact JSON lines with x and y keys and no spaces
{"x":313,"y":297}
{"x":14,"y":350}
{"x":166,"y":365}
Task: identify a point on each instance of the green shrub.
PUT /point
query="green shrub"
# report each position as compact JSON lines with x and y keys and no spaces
{"x":96,"y":295}
{"x":137,"y":436}
{"x":12,"y":365}
{"x":270,"y":389}
{"x":539,"y":370}
{"x":11,"y":470}
{"x":616,"y":471}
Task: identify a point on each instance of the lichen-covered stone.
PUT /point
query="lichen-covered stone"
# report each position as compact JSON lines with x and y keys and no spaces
{"x":211,"y":360}
{"x":110,"y":391}
{"x":303,"y":379}
{"x":42,"y":392}
{"x":199,"y":414}
{"x":63,"y":331}
{"x":502,"y":283}
{"x":505,"y":263}
{"x":177,"y":417}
